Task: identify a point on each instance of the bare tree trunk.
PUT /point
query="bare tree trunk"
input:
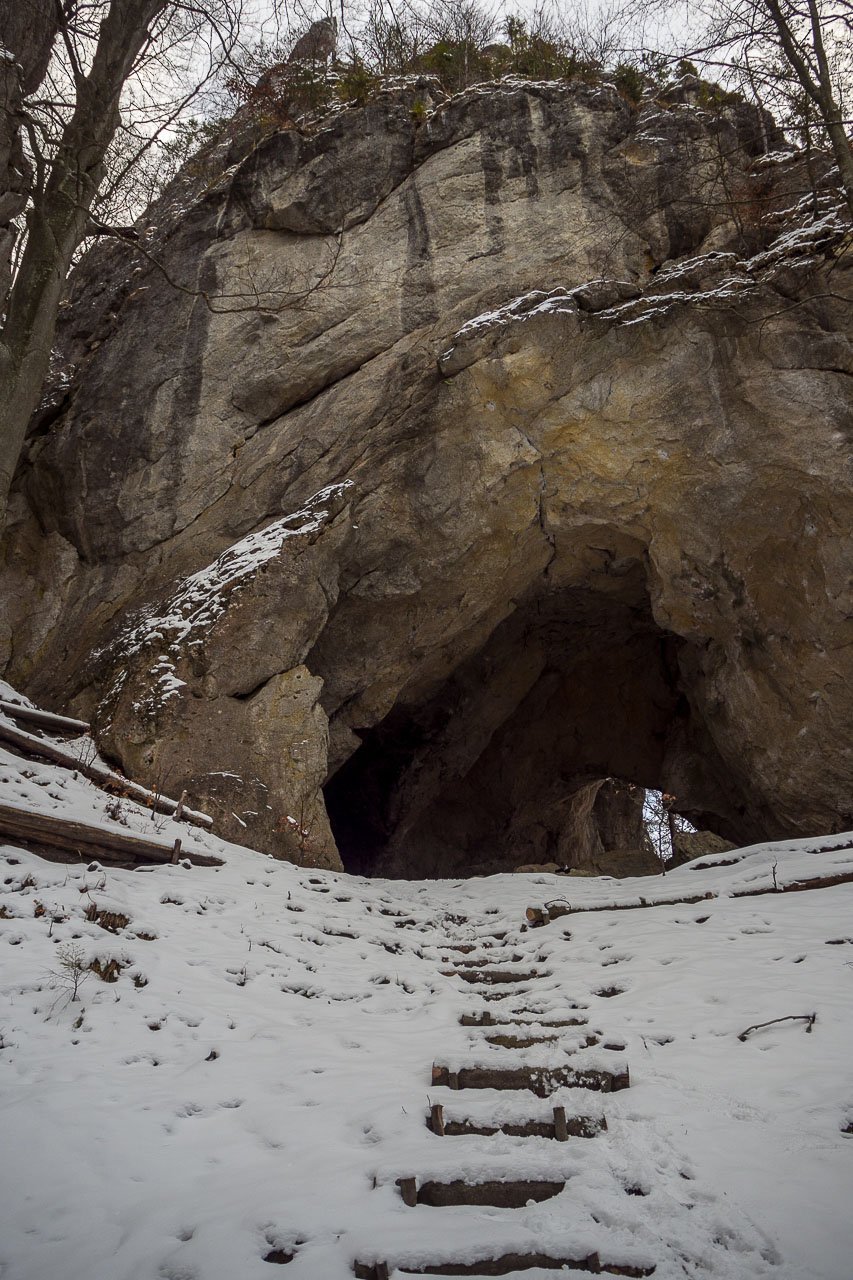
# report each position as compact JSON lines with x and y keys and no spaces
{"x":27,"y":32}
{"x":57,"y":224}
{"x":16,"y":174}
{"x":670,"y":817}
{"x":818,"y":88}
{"x":841,"y":151}
{"x":831,"y":110}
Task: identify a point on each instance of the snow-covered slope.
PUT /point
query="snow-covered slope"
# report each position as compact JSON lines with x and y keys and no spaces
{"x":259,"y":1074}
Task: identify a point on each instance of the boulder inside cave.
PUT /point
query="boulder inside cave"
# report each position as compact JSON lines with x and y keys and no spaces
{"x":536,"y":750}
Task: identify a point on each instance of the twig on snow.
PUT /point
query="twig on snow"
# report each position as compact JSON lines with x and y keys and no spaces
{"x":810,"y":1018}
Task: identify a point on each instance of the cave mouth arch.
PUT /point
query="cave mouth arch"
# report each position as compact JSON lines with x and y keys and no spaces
{"x":514,"y":759}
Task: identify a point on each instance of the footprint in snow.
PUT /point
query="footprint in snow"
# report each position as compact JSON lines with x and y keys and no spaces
{"x":177,"y":1271}
{"x":189,"y":1109}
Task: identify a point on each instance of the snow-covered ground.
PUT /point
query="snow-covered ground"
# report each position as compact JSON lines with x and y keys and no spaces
{"x":259,"y":1074}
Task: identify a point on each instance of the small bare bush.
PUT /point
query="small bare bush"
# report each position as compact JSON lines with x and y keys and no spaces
{"x":72,"y":972}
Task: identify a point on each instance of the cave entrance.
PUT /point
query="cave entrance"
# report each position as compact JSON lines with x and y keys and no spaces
{"x":538,"y":749}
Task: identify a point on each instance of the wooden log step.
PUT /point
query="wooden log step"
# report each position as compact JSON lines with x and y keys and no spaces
{"x":501,"y":1195}
{"x":572,"y":1126}
{"x":512,"y":1262}
{"x":502,"y":1266}
{"x":498,"y":977}
{"x":520,"y":1042}
{"x":81,"y":840}
{"x":539,"y":1080}
{"x":486,"y":1019}
{"x":40,"y":749}
{"x":63,"y":725}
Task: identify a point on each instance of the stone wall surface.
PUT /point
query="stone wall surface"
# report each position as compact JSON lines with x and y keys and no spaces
{"x":444,"y":467}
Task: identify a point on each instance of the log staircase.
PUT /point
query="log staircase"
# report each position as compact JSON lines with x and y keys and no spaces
{"x":496,"y":974}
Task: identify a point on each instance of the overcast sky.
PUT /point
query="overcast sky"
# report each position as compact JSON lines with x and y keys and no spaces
{"x":299,"y":13}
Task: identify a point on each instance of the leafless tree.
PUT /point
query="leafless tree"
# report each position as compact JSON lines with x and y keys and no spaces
{"x":393,"y":36}
{"x":795,"y":56}
{"x":798,"y":55}
{"x":61,"y":110}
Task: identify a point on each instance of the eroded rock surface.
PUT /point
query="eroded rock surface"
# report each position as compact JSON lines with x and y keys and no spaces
{"x":474,"y":462}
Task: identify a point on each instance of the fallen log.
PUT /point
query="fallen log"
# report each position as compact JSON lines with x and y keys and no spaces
{"x":105,"y":778}
{"x":814,"y":882}
{"x":88,"y":841}
{"x":43,"y":719}
{"x":795,"y":886}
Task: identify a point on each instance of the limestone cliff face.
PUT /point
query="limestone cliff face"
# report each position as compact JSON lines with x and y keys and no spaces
{"x":445,"y":466}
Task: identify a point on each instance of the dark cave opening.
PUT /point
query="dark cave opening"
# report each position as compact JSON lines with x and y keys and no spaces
{"x":359,"y":796}
{"x":527,"y":753}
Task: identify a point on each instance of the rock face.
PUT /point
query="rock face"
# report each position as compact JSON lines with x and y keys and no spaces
{"x":687,"y":845}
{"x":472,"y":464}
